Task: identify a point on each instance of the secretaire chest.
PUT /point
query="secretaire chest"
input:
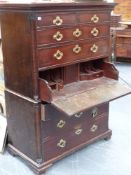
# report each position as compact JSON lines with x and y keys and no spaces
{"x":58,"y":78}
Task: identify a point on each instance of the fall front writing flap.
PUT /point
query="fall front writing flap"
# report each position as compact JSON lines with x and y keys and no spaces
{"x":98,"y":91}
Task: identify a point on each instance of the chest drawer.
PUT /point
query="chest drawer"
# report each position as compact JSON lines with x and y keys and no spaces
{"x":57,"y":35}
{"x":71,"y":53}
{"x":62,"y":144}
{"x":58,"y":123}
{"x":60,"y":19}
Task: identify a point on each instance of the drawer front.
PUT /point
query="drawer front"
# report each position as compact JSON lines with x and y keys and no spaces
{"x":70,"y":53}
{"x":55,"y":35}
{"x":60,"y":19}
{"x":123,"y":40}
{"x":121,"y":51}
{"x":61,"y":144}
{"x":59,"y":124}
{"x":94,"y":17}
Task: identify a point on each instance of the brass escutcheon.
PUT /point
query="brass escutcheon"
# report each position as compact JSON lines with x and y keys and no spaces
{"x":94,"y":128}
{"x":58,"y":36}
{"x":77,"y":49}
{"x":95,"y":32}
{"x":61,"y":124}
{"x":77,"y":33}
{"x":58,"y":55}
{"x":95,"y":18}
{"x":94,"y":48}
{"x":94,"y":112}
{"x":78,"y":131}
{"x":61,"y":143}
{"x":79,"y":115}
{"x":58,"y":21}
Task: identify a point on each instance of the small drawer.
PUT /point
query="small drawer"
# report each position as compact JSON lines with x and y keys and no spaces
{"x":121,"y":51}
{"x":55,"y":35}
{"x":71,"y":53}
{"x":55,"y":19}
{"x":95,"y":17}
{"x":62,"y":144}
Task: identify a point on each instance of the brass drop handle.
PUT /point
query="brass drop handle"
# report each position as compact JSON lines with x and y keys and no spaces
{"x":61,"y":124}
{"x":58,"y":55}
{"x":57,"y":21}
{"x":79,"y":115}
{"x":95,"y":18}
{"x":94,"y":48}
{"x":77,"y":49}
{"x":95,"y":32}
{"x":58,"y":36}
{"x":94,"y":112}
{"x":77,"y":33}
{"x":94,"y":128}
{"x":61,"y":143}
{"x":78,"y":131}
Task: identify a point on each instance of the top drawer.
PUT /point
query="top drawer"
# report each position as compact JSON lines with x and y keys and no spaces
{"x":60,"y":19}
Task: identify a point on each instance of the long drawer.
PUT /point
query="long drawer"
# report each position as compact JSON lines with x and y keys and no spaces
{"x":60,"y":19}
{"x":66,"y":34}
{"x":71,"y":53}
{"x":61,"y":144}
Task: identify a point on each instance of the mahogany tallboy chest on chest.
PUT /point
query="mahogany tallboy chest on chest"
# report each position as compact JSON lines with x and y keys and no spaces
{"x":58,"y":78}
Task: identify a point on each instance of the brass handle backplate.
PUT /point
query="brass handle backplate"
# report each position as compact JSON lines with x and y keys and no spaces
{"x":58,"y":55}
{"x":78,"y":131}
{"x":94,"y":48}
{"x":77,"y":33}
{"x":58,"y":36}
{"x":95,"y":18}
{"x":94,"y":128}
{"x":94,"y":112}
{"x":57,"y":21}
{"x":95,"y":32}
{"x":61,"y":124}
{"x":79,"y":115}
{"x":77,"y":49}
{"x":61,"y":143}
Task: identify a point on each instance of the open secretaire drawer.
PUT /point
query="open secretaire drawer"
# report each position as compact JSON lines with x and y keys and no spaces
{"x":95,"y":84}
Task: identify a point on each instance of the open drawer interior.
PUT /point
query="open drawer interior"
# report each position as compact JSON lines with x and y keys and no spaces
{"x":89,"y":84}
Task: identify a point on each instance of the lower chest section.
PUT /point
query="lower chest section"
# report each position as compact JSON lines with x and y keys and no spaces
{"x":62,"y":135}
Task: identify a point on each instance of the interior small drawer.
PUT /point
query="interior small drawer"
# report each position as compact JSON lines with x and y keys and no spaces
{"x":57,"y":146}
{"x":73,"y":52}
{"x":55,"y":35}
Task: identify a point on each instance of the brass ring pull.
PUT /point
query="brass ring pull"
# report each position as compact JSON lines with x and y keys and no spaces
{"x":77,"y":49}
{"x":77,"y":33}
{"x":58,"y":36}
{"x":61,"y":143}
{"x":94,"y":112}
{"x":78,"y":131}
{"x":61,"y":124}
{"x":95,"y":18}
{"x":94,"y":128}
{"x":95,"y":32}
{"x":79,"y":115}
{"x":58,"y":55}
{"x":94,"y":48}
{"x":57,"y":21}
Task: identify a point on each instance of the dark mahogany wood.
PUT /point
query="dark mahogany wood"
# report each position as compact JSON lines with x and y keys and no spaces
{"x":56,"y":91}
{"x":46,"y":57}
{"x":45,"y":35}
